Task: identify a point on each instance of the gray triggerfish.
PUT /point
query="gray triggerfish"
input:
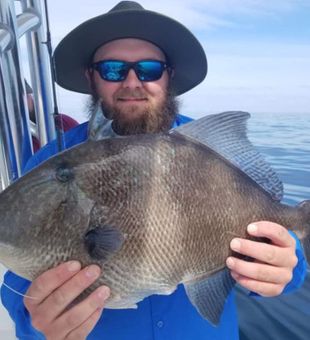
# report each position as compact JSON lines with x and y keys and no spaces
{"x":152,"y":210}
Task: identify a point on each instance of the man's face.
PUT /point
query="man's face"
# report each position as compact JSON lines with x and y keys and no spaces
{"x":135,"y":106}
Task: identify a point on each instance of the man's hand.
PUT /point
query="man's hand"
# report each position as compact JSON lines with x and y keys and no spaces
{"x":52,"y":293}
{"x":273,"y":264}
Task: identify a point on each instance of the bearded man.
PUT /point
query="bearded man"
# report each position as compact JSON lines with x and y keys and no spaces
{"x":134,"y":63}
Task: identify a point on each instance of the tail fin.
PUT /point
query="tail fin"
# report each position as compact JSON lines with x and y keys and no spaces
{"x":304,"y":235}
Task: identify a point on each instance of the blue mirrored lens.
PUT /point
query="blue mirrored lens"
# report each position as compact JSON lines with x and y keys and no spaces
{"x":116,"y":70}
{"x":113,"y":70}
{"x":149,"y":70}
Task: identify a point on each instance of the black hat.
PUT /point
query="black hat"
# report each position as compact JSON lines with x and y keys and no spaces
{"x":128,"y":19}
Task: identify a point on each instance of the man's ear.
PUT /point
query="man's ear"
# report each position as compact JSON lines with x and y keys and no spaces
{"x":88,"y":75}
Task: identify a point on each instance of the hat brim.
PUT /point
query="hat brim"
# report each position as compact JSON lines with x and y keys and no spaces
{"x":183,"y":50}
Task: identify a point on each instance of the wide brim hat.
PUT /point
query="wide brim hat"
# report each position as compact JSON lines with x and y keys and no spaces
{"x":129,"y":19}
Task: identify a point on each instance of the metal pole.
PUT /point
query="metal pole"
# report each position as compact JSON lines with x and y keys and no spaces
{"x":15,"y":99}
{"x":15,"y":126}
{"x":40,"y":74}
{"x":7,"y":157}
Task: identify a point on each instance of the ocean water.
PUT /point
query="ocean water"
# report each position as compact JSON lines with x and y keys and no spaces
{"x":284,"y":140}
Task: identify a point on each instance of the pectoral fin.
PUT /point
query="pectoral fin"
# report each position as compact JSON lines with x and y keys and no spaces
{"x":208,"y":295}
{"x":103,"y":241}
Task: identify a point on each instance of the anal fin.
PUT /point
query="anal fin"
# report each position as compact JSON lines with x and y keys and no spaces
{"x":208,"y":295}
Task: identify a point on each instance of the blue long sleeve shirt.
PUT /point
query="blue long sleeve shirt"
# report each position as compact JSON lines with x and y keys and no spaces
{"x":157,"y":317}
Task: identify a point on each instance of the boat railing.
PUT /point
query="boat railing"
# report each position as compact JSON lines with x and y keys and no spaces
{"x":18,"y":19}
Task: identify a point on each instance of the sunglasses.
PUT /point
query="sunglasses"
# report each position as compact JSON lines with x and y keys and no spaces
{"x":117,"y":70}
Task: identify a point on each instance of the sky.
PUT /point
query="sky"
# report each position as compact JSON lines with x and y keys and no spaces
{"x":258,"y":52}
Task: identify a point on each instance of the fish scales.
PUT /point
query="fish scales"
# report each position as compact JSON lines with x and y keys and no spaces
{"x":179,"y":220}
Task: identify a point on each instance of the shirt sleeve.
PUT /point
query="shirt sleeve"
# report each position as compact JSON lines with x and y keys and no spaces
{"x":300,"y":271}
{"x":12,"y":300}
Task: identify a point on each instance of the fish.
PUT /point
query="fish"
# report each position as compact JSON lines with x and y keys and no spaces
{"x":152,"y":210}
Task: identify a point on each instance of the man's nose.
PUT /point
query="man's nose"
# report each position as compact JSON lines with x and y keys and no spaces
{"x":132,"y":81}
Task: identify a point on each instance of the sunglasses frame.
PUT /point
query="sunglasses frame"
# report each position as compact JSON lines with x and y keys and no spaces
{"x":130,"y":65}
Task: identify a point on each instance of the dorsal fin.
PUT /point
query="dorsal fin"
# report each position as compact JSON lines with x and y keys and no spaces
{"x":226,"y":134}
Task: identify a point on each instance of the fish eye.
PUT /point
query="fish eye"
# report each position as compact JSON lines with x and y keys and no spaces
{"x":64,"y":174}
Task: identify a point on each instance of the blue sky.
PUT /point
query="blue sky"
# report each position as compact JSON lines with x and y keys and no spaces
{"x":258,"y":51}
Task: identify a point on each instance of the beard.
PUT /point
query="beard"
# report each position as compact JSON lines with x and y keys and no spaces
{"x":152,"y":119}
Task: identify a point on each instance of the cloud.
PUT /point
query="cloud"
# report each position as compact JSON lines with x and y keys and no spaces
{"x":200,"y":15}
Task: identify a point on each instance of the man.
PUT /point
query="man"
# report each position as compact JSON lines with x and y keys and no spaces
{"x":134,"y":62}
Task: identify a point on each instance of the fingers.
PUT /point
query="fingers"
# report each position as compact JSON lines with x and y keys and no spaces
{"x":46,"y":283}
{"x":61,"y":297}
{"x":55,"y":290}
{"x":83,"y":330}
{"x":276,"y":233}
{"x":272,"y":268}
{"x":266,"y":253}
{"x":80,"y":319}
{"x":259,"y":271}
{"x":280,"y":253}
{"x":259,"y":287}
